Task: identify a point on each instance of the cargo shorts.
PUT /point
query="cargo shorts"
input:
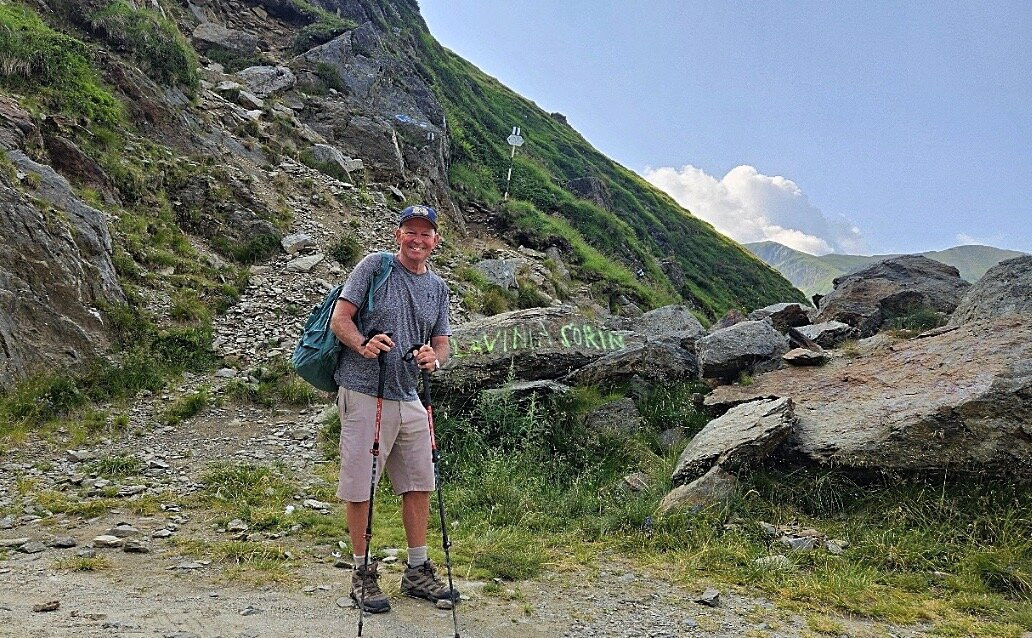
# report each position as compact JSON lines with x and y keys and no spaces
{"x":404,"y":446}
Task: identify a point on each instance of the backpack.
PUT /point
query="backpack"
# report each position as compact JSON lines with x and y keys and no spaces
{"x":317,"y":353}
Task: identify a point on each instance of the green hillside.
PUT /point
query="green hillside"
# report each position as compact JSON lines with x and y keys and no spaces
{"x":639,"y":226}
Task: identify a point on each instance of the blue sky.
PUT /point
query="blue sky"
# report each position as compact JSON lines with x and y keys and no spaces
{"x":866,"y":127}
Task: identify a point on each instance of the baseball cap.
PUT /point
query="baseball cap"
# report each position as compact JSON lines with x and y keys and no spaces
{"x":420,"y":212}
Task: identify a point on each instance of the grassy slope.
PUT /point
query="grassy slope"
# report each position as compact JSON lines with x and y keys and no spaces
{"x":643,"y":226}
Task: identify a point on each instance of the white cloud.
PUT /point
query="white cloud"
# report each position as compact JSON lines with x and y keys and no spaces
{"x":749,"y":206}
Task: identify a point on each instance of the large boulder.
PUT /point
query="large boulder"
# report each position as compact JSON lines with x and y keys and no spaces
{"x":208,"y":35}
{"x":828,"y":334}
{"x":524,"y":345}
{"x":661,"y":359}
{"x":957,"y":401}
{"x":782,"y":316}
{"x":869,"y":298}
{"x":263,"y":81}
{"x":669,"y":320}
{"x":55,"y":272}
{"x":1005,"y":288}
{"x":711,"y":489}
{"x":742,"y":437}
{"x":749,"y":346}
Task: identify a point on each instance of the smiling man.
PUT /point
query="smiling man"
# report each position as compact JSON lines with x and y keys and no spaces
{"x":412,"y":307}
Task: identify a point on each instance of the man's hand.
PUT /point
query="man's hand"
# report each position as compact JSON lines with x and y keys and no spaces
{"x":375,"y":345}
{"x":426,"y":358}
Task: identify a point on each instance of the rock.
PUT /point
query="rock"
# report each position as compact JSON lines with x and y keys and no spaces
{"x":304,"y":264}
{"x":32,"y":547}
{"x":829,"y":334}
{"x":226,"y":373}
{"x":314,"y":504}
{"x":296,"y":243}
{"x":6,"y":522}
{"x":782,"y":316}
{"x":616,"y":417}
{"x":796,"y":543}
{"x":871,"y":298}
{"x":63,"y":260}
{"x":1005,"y":288}
{"x":804,"y":357}
{"x":236,"y":526}
{"x":162,"y":533}
{"x":592,"y":189}
{"x":730,"y":318}
{"x":376,"y":142}
{"x":777,"y":562}
{"x":671,"y":438}
{"x":333,"y":161}
{"x":742,"y":437}
{"x":249,"y":101}
{"x":749,"y":347}
{"x":524,"y":390}
{"x":15,"y":125}
{"x":63,"y":542}
{"x":835,"y":547}
{"x":710,"y":598}
{"x":135,"y":546}
{"x":500,"y":272}
{"x":559,"y":265}
{"x":13,"y":542}
{"x":444,"y":603}
{"x":534,"y":344}
{"x":669,"y":320}
{"x":636,"y":482}
{"x":263,"y":81}
{"x":107,"y":541}
{"x":123,"y":530}
{"x":960,"y":401}
{"x":51,"y":605}
{"x":209,"y":34}
{"x":663,"y":358}
{"x":396,"y":193}
{"x":131,"y":490}
{"x":712,"y":488}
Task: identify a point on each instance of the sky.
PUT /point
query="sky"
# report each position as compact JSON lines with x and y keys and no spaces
{"x":849,"y":127}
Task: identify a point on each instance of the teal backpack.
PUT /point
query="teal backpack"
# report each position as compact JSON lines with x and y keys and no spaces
{"x":317,"y":353}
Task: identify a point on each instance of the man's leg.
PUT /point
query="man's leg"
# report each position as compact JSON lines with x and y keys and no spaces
{"x":415,"y":513}
{"x":358,"y":516}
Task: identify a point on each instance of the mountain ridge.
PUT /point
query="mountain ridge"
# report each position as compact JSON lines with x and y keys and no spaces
{"x":814,"y":274}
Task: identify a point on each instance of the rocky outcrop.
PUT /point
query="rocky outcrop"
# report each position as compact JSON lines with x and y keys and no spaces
{"x":669,"y":320}
{"x":661,"y":359}
{"x":1005,"y":288}
{"x":209,"y":35}
{"x":264,"y":81}
{"x":54,"y":273}
{"x":742,"y":437}
{"x":892,"y":288}
{"x":592,"y":189}
{"x":958,"y":401}
{"x":749,"y":347}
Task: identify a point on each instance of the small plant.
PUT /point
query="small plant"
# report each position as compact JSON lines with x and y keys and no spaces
{"x":116,"y":466}
{"x":345,"y":251}
{"x":186,"y":407}
{"x":82,"y":563}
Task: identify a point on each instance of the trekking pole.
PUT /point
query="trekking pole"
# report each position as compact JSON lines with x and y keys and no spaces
{"x":375,"y":451}
{"x":435,"y":455}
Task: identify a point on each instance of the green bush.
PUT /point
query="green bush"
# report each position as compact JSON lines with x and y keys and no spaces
{"x":55,"y":67}
{"x":152,"y":41}
{"x":345,"y":251}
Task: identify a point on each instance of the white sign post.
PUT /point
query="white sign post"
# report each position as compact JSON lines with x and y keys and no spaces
{"x":514,"y":140}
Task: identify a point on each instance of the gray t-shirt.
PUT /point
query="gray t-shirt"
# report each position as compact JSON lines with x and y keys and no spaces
{"x":413,"y":308}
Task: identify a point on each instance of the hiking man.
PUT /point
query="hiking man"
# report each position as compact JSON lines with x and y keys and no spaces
{"x":412,"y":307}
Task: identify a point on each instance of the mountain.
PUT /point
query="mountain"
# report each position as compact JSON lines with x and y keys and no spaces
{"x":814,"y":274}
{"x":152,"y":153}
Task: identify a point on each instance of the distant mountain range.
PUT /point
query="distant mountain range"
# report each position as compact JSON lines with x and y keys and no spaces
{"x":813,"y":274}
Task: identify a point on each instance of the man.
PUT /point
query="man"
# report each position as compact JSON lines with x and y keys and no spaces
{"x":411,"y":305}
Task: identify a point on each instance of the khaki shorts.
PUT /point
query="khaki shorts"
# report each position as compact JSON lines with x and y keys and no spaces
{"x":404,"y":446}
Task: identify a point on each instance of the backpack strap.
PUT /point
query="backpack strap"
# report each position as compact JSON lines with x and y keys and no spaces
{"x":382,"y":273}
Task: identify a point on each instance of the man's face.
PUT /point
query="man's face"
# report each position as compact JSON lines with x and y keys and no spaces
{"x":417,"y":239}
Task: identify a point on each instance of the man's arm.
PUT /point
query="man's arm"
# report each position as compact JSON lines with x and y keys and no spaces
{"x":342,"y":323}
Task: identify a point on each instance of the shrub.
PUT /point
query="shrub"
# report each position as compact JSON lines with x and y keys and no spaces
{"x":345,"y":251}
{"x":152,"y":40}
{"x":34,"y":57}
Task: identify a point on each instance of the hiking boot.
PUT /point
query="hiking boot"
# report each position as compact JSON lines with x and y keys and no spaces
{"x":365,"y":577}
{"x":422,"y":582}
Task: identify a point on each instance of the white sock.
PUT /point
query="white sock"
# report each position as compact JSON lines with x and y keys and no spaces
{"x":360,"y":560}
{"x":416,"y":556}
